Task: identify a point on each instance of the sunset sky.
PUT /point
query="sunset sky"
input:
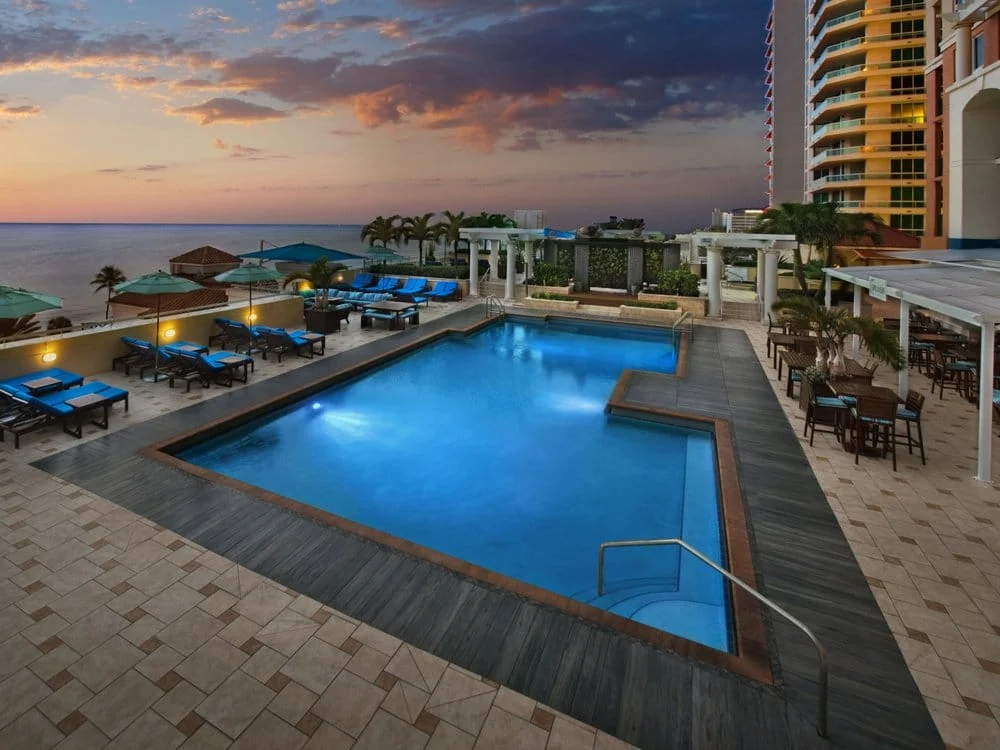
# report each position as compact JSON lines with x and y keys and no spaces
{"x":324,"y":111}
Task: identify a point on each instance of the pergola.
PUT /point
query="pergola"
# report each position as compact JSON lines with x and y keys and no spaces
{"x":768,"y":247}
{"x":970,"y":294}
{"x":493,"y":236}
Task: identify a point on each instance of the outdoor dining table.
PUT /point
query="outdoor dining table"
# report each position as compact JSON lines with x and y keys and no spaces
{"x":393,"y":308}
{"x":776,"y":339}
{"x":798,"y":362}
{"x":938,"y":339}
{"x":857,"y":388}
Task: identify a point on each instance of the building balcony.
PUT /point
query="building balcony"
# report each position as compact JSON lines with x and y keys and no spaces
{"x":861,"y":17}
{"x":859,"y":72}
{"x":857,"y":99}
{"x":843,"y":128}
{"x":861,"y":153}
{"x":860,"y":179}
{"x":874,"y":206}
{"x":822,"y":10}
{"x":973,"y":11}
{"x":862,"y":43}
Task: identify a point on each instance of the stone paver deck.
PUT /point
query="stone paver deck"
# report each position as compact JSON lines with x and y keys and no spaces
{"x":115,"y":632}
{"x":928,"y":540}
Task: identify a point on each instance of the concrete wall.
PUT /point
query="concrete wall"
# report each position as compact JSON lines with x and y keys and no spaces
{"x":90,"y":352}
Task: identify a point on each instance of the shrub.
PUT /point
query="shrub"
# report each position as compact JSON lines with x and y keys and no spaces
{"x":671,"y":305}
{"x":550,"y":295}
{"x":680,"y":282}
{"x":609,"y":267}
{"x":411,"y":269}
{"x":547,"y":274}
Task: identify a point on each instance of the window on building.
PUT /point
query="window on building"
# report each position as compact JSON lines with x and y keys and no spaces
{"x":908,"y":112}
{"x":906,"y":57}
{"x":978,"y":51}
{"x":907,"y":84}
{"x":907,"y":29}
{"x":910,"y":169}
{"x":906,"y":197}
{"x":906,"y":140}
{"x":913,"y":223}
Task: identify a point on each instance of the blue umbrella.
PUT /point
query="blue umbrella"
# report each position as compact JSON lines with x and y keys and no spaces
{"x":157,"y":283}
{"x":302,"y":252}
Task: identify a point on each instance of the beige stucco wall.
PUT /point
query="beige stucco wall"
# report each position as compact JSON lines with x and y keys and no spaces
{"x":90,"y":352}
{"x":693,"y":305}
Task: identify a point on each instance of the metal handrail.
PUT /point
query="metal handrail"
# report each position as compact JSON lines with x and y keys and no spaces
{"x":820,"y":651}
{"x":686,"y":315}
{"x":494,"y":306}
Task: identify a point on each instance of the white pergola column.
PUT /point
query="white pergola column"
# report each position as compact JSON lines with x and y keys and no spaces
{"x":494,"y":247}
{"x":827,"y":291}
{"x":904,"y":345}
{"x":760,"y":286}
{"x":473,"y":266}
{"x":855,"y":341}
{"x":714,"y":259}
{"x":986,"y":349}
{"x":770,"y":279}
{"x":508,"y":287}
{"x":529,"y":256}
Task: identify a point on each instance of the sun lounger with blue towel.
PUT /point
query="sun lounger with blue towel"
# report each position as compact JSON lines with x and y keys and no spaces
{"x":43,"y":381}
{"x":68,"y":406}
{"x":444,"y":290}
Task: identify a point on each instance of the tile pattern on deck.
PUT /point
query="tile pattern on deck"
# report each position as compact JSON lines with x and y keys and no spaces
{"x":928,"y":541}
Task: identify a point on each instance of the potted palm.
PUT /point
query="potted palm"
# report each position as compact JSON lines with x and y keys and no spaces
{"x":833,"y":326}
{"x":319,"y":278}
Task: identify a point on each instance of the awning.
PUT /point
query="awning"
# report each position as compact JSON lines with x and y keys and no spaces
{"x":303,"y":252}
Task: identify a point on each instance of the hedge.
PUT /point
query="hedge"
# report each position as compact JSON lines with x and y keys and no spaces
{"x":655,"y":305}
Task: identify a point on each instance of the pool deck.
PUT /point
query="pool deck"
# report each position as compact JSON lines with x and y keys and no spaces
{"x":644,"y":695}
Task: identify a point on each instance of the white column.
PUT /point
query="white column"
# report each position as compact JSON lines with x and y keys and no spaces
{"x":508,"y":287}
{"x":963,"y":52}
{"x":529,"y":257}
{"x":770,"y":279}
{"x":760,"y":278}
{"x":827,"y":290}
{"x":985,"y":458}
{"x":714,"y":281}
{"x":855,"y":341}
{"x":904,"y":345}
{"x":473,"y":266}
{"x":494,"y":247}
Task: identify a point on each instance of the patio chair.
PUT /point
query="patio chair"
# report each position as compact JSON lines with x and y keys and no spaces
{"x":411,"y":287}
{"x":139,"y":353}
{"x":920,"y":356}
{"x":386,"y":284}
{"x":280,"y":342}
{"x":221,"y":335}
{"x":909,"y":413}
{"x":874,"y":418}
{"x":363,"y":280}
{"x":444,"y":290}
{"x":65,"y":380}
{"x":210,"y":370}
{"x":957,"y":375}
{"x":824,"y":412}
{"x":40,"y":411}
{"x":772,"y":327}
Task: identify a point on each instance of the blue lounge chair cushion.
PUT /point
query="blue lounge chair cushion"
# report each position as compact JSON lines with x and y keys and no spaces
{"x":56,"y":402}
{"x":908,"y":414}
{"x":379,"y":315}
{"x":175,"y":348}
{"x":849,"y":400}
{"x":830,"y":402}
{"x":67,"y":379}
{"x":408,"y":314}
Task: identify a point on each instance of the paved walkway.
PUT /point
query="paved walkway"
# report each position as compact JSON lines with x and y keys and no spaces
{"x":115,"y":632}
{"x":928,"y":540}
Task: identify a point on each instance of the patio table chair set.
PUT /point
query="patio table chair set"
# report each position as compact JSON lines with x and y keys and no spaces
{"x":54,"y":396}
{"x":413,"y":287}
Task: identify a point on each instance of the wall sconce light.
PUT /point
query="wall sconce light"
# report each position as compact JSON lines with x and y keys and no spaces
{"x":169,"y":333}
{"x":49,"y":357}
{"x":340,"y":277}
{"x":305,"y":287}
{"x":252,"y":317}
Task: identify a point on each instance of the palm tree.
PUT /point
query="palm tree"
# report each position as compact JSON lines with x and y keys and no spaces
{"x":59,"y":323}
{"x":319,"y":276}
{"x":23,"y":326}
{"x":421,"y":229}
{"x":836,"y":324}
{"x":831,"y":227}
{"x":108,"y":278}
{"x":451,"y":229}
{"x":382,"y":230}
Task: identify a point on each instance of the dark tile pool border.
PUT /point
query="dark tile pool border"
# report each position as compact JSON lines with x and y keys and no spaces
{"x":752,"y":659}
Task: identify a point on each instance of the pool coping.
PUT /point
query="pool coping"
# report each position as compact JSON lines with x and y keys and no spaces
{"x":753,"y":658}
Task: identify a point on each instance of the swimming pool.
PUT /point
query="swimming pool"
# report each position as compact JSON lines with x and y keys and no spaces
{"x":495,"y":449}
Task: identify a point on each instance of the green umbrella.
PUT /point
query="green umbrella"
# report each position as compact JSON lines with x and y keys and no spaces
{"x":16,"y":303}
{"x":249,"y":274}
{"x":157,"y":283}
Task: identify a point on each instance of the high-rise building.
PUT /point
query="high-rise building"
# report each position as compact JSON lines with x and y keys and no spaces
{"x":785,"y":99}
{"x":865,"y":104}
{"x":963,"y":124}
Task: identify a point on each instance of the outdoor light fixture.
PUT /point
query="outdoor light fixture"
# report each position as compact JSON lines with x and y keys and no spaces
{"x":252,"y":317}
{"x":169,"y":333}
{"x":49,"y":357}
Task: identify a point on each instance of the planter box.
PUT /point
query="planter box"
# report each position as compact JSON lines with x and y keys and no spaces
{"x":323,"y":321}
{"x":650,"y":314}
{"x":555,"y":305}
{"x":533,"y":290}
{"x":694,"y":305}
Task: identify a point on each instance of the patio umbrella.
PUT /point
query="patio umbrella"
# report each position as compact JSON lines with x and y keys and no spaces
{"x":16,"y":303}
{"x":249,"y":274}
{"x":157,"y":283}
{"x":302,"y":252}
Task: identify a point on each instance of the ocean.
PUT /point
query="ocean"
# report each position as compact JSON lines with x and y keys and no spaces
{"x":61,"y":259}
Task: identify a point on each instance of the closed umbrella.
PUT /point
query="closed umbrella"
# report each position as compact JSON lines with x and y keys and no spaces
{"x":16,"y":303}
{"x":249,"y":274}
{"x":157,"y":283}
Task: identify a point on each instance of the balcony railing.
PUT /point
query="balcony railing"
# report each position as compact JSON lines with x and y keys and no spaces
{"x":880,"y":204}
{"x":837,"y":179}
{"x":864,"y":151}
{"x":840,"y":20}
{"x":865,"y":40}
{"x":860,"y":96}
{"x":863,"y":122}
{"x":864,"y":68}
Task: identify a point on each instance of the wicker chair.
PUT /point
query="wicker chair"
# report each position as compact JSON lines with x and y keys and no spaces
{"x":875,"y":418}
{"x":909,"y":413}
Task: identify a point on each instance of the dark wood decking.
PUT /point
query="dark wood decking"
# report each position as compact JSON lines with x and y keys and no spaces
{"x":647,"y":696}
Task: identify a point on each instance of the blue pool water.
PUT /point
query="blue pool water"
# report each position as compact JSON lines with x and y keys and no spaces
{"x":495,"y":449}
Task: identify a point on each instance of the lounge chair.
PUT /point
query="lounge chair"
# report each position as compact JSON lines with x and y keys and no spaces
{"x":241,"y":336}
{"x":63,"y":380}
{"x":220,"y":368}
{"x":139,"y":354}
{"x":68,"y":406}
{"x":359,"y":282}
{"x":412,"y":286}
{"x":444,"y":290}
{"x":386,"y":284}
{"x":280,"y":342}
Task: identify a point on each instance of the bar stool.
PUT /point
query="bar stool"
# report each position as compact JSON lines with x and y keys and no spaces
{"x":920,"y":356}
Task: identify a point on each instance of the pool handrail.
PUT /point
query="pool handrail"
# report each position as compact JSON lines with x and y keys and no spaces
{"x":686,"y":315}
{"x":820,"y":651}
{"x":494,"y":307}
